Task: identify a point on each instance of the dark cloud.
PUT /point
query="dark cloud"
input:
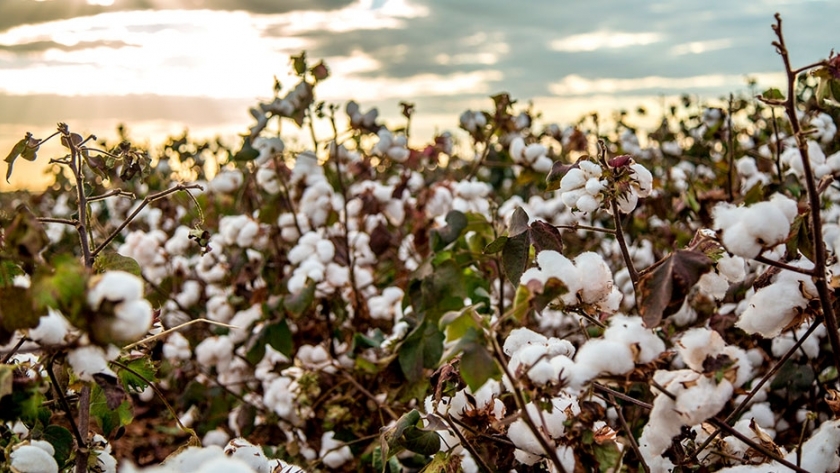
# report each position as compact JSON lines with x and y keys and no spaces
{"x":19,"y":12}
{"x":530,"y":65}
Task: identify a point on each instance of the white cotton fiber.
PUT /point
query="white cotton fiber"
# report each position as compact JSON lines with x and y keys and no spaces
{"x":31,"y":459}
{"x":51,"y":329}
{"x":598,"y":356}
{"x":596,"y":279}
{"x":245,"y":451}
{"x":631,"y":332}
{"x":698,"y":344}
{"x":771,"y":309}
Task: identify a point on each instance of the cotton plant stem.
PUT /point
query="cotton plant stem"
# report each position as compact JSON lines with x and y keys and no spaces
{"x":787,"y":267}
{"x":622,"y":244}
{"x":522,"y":406}
{"x":829,"y":317}
{"x":630,"y":438}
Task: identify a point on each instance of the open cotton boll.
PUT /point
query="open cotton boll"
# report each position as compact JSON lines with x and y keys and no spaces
{"x":226,"y":182}
{"x":733,"y":268}
{"x":769,"y":221}
{"x":596,"y":280}
{"x":810,"y":347}
{"x":32,"y":459}
{"x":698,"y":344}
{"x":771,"y":309}
{"x":132,"y":321}
{"x":739,"y":241}
{"x":51,"y":329}
{"x":243,"y":450}
{"x":598,"y":356}
{"x":114,"y":286}
{"x":215,"y":351}
{"x":714,"y":285}
{"x":631,"y":332}
{"x":521,"y":337}
{"x":90,"y":360}
{"x":334,"y":453}
{"x":819,"y":454}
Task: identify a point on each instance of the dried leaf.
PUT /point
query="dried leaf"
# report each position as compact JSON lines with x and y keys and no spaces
{"x":663,"y":289}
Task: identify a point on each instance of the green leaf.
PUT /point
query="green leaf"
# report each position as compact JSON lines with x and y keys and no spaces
{"x":496,"y":245}
{"x":421,"y":441}
{"x":298,"y":303}
{"x":422,"y":348}
{"x":456,"y":222}
{"x":109,"y":419}
{"x":247,"y":153}
{"x":278,"y":336}
{"x":443,"y":463}
{"x":113,"y":261}
{"x":773,"y":94}
{"x":515,"y":257}
{"x":455,"y":324}
{"x":663,"y":289}
{"x":63,"y":288}
{"x":478,"y":365}
{"x":608,"y":456}
{"x":27,"y":148}
{"x":62,"y":441}
{"x":144,"y":367}
{"x":800,"y":239}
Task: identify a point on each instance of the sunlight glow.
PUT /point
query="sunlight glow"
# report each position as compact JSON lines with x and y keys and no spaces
{"x":700,"y":47}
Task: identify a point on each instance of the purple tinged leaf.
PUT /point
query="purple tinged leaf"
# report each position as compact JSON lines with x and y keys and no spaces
{"x":545,"y":237}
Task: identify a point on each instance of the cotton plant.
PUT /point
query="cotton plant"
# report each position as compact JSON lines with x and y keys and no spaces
{"x":749,"y":230}
{"x":532,"y":155}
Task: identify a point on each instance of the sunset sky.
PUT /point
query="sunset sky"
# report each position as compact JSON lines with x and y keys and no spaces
{"x":163,"y":66}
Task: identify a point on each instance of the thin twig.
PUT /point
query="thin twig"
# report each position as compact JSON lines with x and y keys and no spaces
{"x":577,"y":226}
{"x":622,"y":244}
{"x":633,"y":444}
{"x":59,"y":392}
{"x":148,"y":200}
{"x":14,"y":350}
{"x":176,"y":328}
{"x":63,"y":221}
{"x":785,"y":266}
{"x":481,"y":463}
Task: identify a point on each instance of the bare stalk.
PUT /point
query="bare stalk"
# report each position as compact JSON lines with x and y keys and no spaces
{"x":148,"y":200}
{"x":829,"y":317}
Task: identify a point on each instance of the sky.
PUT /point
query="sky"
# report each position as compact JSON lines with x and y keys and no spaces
{"x":163,"y":66}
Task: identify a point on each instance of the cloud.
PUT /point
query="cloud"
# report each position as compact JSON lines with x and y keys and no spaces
{"x":700,"y":47}
{"x":575,"y":85}
{"x":23,"y":12}
{"x":604,"y":40}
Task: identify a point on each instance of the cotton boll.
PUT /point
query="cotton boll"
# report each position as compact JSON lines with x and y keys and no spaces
{"x":51,"y":329}
{"x":226,"y":182}
{"x":218,"y":309}
{"x":31,"y":459}
{"x":595,"y":277}
{"x":714,"y":285}
{"x":733,"y":268}
{"x":631,"y":332}
{"x":241,"y":449}
{"x":771,"y":309}
{"x":89,"y":360}
{"x":243,"y":320}
{"x":177,"y":347}
{"x":642,"y":180}
{"x":598,"y":356}
{"x":334,"y":453}
{"x":819,"y":454}
{"x":215,"y":351}
{"x":739,"y":240}
{"x":698,"y":344}
{"x":114,"y":286}
{"x":521,"y":337}
{"x":133,"y":320}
